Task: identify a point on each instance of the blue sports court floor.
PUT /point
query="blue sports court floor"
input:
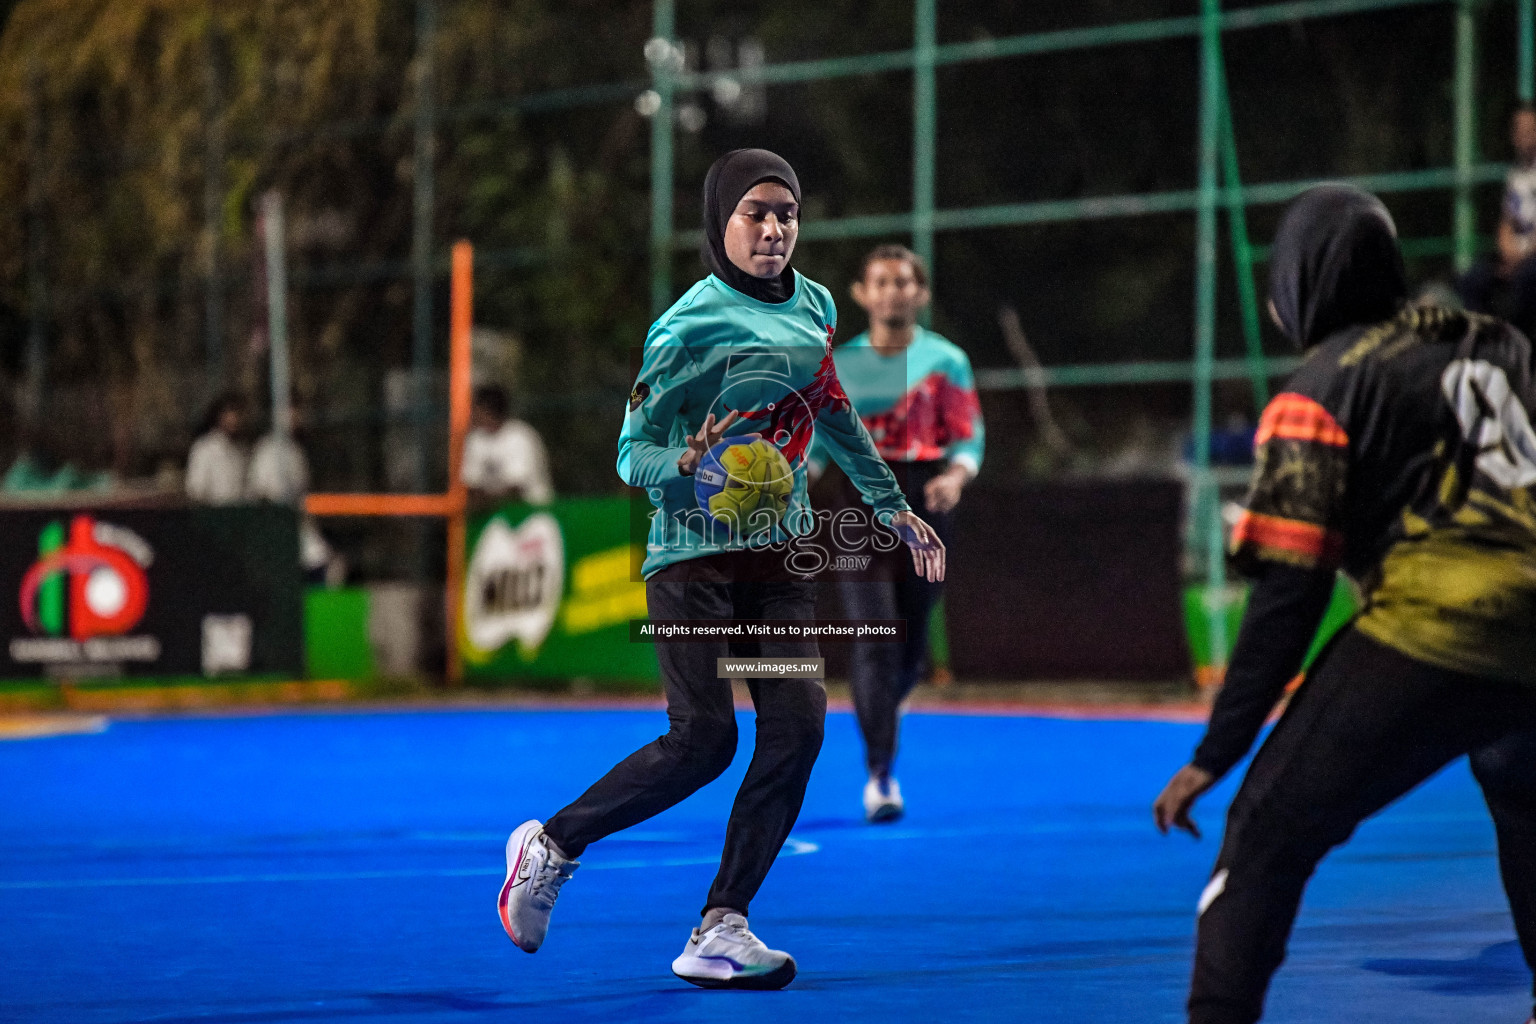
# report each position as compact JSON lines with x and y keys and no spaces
{"x":343,"y":867}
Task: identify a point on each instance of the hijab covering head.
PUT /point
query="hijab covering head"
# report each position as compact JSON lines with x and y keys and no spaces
{"x":729,"y":178}
{"x":1335,"y":263}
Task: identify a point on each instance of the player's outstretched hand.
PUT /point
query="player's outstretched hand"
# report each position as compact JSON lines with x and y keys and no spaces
{"x":1173,"y":804}
{"x":927,"y":549}
{"x":942,"y":493}
{"x":708,"y":436}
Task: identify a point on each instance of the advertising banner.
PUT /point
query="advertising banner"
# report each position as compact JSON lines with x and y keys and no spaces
{"x":1069,"y":580}
{"x":150,"y":592}
{"x":549,"y":592}
{"x":1056,"y":581}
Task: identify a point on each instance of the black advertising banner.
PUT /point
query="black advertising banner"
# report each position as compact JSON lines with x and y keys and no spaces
{"x":158,"y":592}
{"x":1069,"y":580}
{"x":1061,"y":580}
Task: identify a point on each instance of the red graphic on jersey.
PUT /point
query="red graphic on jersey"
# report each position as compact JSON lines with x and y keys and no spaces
{"x":922,"y":425}
{"x":795,"y":419}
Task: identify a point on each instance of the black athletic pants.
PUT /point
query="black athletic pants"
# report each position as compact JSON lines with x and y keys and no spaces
{"x":1367,"y":726}
{"x":883,"y":674}
{"x":702,"y":739}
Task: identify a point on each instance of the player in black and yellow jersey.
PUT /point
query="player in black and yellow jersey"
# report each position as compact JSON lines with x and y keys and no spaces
{"x":1402,"y":453}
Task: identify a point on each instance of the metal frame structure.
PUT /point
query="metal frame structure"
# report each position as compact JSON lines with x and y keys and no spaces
{"x":1219,"y":186}
{"x":453,"y":504}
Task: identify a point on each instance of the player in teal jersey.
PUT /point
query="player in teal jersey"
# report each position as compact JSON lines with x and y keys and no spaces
{"x":917,"y":397}
{"x":746,"y":351}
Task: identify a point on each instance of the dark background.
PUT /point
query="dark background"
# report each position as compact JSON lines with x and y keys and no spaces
{"x":123,"y":125}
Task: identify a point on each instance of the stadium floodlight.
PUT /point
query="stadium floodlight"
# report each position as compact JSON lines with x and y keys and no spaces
{"x":691,"y":118}
{"x":664,"y":55}
{"x":648,"y":103}
{"x":726,"y":91}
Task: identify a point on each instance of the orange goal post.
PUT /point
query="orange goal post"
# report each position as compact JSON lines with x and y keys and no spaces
{"x":452,"y":504}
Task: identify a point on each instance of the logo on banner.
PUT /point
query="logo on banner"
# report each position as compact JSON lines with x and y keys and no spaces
{"x":513,"y":587}
{"x":85,"y":593}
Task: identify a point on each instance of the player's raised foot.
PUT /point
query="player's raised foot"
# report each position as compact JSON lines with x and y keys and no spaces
{"x":882,"y":800}
{"x":535,"y":872}
{"x":730,"y":956}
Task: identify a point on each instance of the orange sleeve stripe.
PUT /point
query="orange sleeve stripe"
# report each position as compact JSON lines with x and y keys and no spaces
{"x":1297,"y":418}
{"x":1255,"y":529}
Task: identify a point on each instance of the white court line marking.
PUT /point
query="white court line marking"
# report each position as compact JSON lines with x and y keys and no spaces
{"x":32,"y":727}
{"x":792,"y":848}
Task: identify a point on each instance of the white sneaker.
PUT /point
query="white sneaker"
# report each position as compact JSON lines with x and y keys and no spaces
{"x":535,"y":873}
{"x":882,"y":800}
{"x":729,"y":956}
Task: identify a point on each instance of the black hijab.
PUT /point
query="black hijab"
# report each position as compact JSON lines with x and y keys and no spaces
{"x":1335,"y":263}
{"x":729,"y":178}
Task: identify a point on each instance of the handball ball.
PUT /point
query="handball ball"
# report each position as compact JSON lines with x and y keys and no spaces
{"x":744,"y":484}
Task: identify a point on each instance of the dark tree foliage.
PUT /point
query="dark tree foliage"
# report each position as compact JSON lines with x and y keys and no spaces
{"x":114,"y":114}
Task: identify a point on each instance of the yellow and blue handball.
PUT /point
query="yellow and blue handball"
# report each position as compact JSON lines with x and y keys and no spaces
{"x":744,"y":484}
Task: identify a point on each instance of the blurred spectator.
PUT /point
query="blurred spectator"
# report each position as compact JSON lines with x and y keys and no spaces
{"x":216,"y":465}
{"x":36,"y":469}
{"x":279,"y":473}
{"x":279,"y":470}
{"x":1505,"y":283}
{"x":504,"y":458}
{"x":1231,"y":442}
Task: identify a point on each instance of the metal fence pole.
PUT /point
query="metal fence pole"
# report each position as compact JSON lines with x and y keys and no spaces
{"x":1465,"y":213}
{"x":1207,"y":522}
{"x":924,"y":120}
{"x":1526,"y":85}
{"x":1242,"y":251}
{"x":421,"y":241}
{"x":274,"y":237}
{"x":663,"y":27}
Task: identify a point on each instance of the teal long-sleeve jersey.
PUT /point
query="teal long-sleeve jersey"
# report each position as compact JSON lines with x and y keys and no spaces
{"x":717,"y":351}
{"x":919,"y":403}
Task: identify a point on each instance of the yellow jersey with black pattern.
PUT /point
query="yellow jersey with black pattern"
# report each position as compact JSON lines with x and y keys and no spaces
{"x":1403,"y":454}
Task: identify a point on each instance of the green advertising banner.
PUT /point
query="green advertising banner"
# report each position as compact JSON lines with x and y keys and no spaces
{"x":549,"y":592}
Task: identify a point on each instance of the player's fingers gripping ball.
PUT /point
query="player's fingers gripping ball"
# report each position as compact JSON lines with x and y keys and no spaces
{"x":744,"y":484}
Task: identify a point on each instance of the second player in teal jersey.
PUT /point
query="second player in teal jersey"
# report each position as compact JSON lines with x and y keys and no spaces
{"x":916,"y":395}
{"x":745,"y":351}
